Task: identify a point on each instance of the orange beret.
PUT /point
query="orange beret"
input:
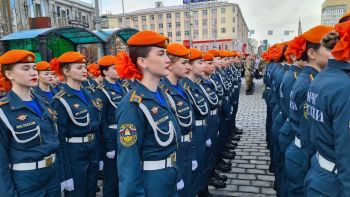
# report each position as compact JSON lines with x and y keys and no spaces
{"x":94,"y":70}
{"x":107,"y":61}
{"x":148,"y":38}
{"x":195,"y":54}
{"x":315,"y":34}
{"x":208,"y":56}
{"x":345,"y":18}
{"x":72,"y":57}
{"x":17,"y":56}
{"x":341,"y":50}
{"x":43,"y":66}
{"x":223,"y":53}
{"x":214,"y":52}
{"x":178,"y":50}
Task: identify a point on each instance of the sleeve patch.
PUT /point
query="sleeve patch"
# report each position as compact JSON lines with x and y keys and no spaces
{"x":127,"y":134}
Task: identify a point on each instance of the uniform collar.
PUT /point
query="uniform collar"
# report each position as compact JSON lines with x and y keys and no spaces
{"x":342,"y":65}
{"x":143,"y":91}
{"x":17,"y":103}
{"x":109,"y":85}
{"x":70,"y":92}
{"x":310,"y":70}
{"x":168,"y":86}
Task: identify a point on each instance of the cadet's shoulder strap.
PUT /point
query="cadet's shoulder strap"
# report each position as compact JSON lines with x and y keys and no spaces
{"x":100,"y":86}
{"x":4,"y":101}
{"x":134,"y":98}
{"x":59,"y":94}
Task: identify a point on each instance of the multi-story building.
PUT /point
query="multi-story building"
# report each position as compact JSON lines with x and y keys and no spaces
{"x":51,"y":13}
{"x":333,"y":10}
{"x":218,"y":25}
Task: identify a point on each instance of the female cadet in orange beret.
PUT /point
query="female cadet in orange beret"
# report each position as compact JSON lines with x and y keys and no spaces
{"x":94,"y":78}
{"x":179,"y":101}
{"x":201,"y":112}
{"x":78,"y":123}
{"x":111,"y":93}
{"x":45,"y":80}
{"x":148,"y":132}
{"x":28,"y":137}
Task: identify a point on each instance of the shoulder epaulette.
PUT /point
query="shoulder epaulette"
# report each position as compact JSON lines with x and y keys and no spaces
{"x":100,"y":86}
{"x":134,"y":98}
{"x":4,"y":101}
{"x":198,"y":80}
{"x":59,"y":94}
{"x":125,"y":84}
{"x":186,"y":86}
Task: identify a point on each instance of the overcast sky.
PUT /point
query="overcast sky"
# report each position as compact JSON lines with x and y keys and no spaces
{"x":260,"y":15}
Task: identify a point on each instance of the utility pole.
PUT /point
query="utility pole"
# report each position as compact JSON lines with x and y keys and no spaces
{"x":191,"y":25}
{"x":98,"y":28}
{"x":123,"y":14}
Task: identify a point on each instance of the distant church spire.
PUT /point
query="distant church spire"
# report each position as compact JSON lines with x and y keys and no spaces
{"x":300,"y":31}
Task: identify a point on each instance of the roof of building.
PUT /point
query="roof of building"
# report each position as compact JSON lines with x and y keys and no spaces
{"x":122,"y":33}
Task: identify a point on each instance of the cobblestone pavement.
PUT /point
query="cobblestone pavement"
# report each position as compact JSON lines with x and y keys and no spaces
{"x":249,"y":176}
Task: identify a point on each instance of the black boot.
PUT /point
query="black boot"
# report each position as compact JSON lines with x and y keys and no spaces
{"x":217,"y":183}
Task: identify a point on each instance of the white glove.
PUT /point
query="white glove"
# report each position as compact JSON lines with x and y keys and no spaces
{"x":69,"y":185}
{"x":110,"y":154}
{"x":194,"y":165}
{"x":100,"y":165}
{"x":180,"y":185}
{"x":62,"y":185}
{"x":208,"y":142}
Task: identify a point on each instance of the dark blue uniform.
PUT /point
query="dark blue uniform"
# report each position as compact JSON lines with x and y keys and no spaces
{"x":200,"y":130}
{"x":296,"y":159}
{"x":46,"y":96}
{"x":111,"y":95}
{"x":179,"y":101}
{"x":148,"y":136}
{"x":208,"y":90}
{"x":329,"y":118}
{"x":28,"y":146}
{"x":78,"y":122}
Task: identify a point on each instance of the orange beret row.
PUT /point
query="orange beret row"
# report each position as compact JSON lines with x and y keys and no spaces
{"x":107,"y":61}
{"x":178,"y":50}
{"x":195,"y":54}
{"x":43,"y":66}
{"x":148,"y":38}
{"x":208,"y":56}
{"x":17,"y":56}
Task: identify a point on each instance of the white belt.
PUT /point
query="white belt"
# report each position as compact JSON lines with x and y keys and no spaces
{"x":161,"y":164}
{"x":213,"y":112}
{"x":86,"y":139}
{"x":46,"y":162}
{"x":113,"y":126}
{"x":186,"y":138}
{"x":325,"y":164}
{"x":297,"y":142}
{"x":201,"y":122}
{"x":235,"y":86}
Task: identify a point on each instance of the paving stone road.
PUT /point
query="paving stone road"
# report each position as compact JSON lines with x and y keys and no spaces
{"x":249,"y":176}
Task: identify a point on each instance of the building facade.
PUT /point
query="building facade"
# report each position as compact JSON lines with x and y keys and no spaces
{"x":333,"y":10}
{"x":29,"y":14}
{"x":211,"y":25}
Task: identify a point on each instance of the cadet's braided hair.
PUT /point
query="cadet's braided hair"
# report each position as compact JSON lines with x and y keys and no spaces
{"x":330,"y":40}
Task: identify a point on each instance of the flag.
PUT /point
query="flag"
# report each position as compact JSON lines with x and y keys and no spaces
{"x":270,"y":32}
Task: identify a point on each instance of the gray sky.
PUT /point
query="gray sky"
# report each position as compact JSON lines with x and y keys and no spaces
{"x":260,"y":15}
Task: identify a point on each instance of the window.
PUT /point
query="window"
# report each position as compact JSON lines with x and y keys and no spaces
{"x":168,"y":15}
{"x":135,"y":19}
{"x":223,"y":10}
{"x":143,"y":18}
{"x":68,"y":14}
{"x":213,"y":11}
{"x":195,"y":22}
{"x":120,"y":20}
{"x":234,"y":19}
{"x":59,"y":11}
{"x":187,"y":24}
{"x":151,"y":17}
{"x":152,"y":27}
{"x":144,"y":27}
{"x":233,"y":29}
{"x":223,"y":20}
{"x":178,"y":33}
{"x":205,"y":32}
{"x":170,"y":34}
{"x":178,"y":24}
{"x":187,"y":33}
{"x":186,"y":15}
{"x":177,"y":15}
{"x":169,"y":25}
{"x":204,"y":12}
{"x":160,"y":16}
{"x":233,"y":9}
{"x":223,"y":30}
{"x":195,"y":13}
{"x":195,"y":32}
{"x":205,"y":22}
{"x":160,"y":25}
